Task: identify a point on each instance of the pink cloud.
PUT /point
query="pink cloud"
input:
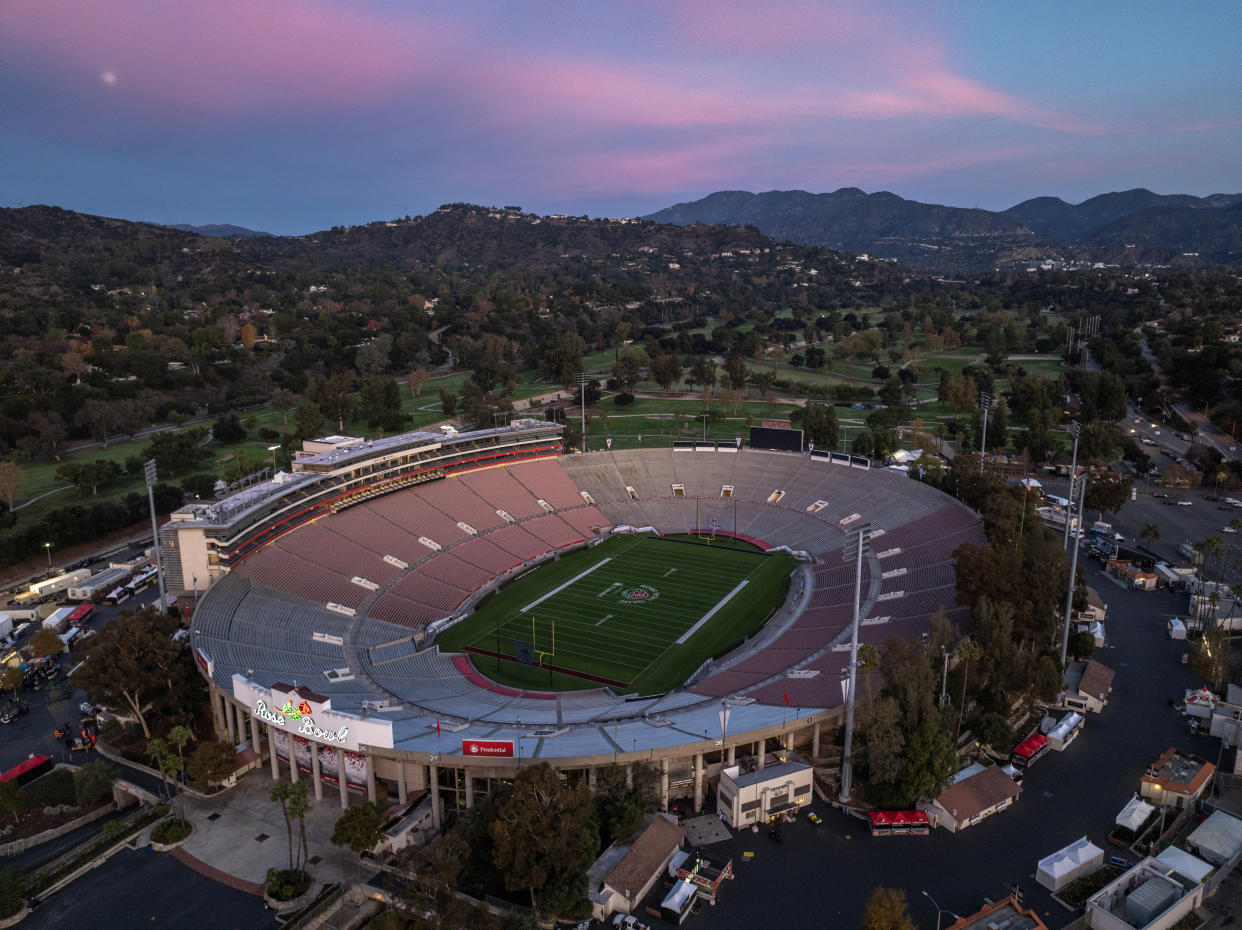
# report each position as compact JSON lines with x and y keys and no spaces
{"x":226,"y":56}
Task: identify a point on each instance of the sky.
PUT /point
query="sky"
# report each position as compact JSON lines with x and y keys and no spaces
{"x":296,"y":115}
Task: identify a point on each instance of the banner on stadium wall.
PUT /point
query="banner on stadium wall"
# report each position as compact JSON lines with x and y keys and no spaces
{"x":302,"y":712}
{"x":329,"y":760}
{"x":501,"y":748}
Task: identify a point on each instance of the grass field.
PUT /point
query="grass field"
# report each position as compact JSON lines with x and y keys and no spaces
{"x":640,"y":613}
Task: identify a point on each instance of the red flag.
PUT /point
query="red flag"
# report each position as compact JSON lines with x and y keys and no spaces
{"x":438,"y":726}
{"x":787,"y":704}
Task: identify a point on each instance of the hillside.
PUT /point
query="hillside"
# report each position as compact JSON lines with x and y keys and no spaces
{"x":944,"y":238}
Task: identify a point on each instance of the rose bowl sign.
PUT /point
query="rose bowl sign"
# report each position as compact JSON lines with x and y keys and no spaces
{"x":487,"y":747}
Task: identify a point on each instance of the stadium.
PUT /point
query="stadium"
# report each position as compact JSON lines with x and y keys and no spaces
{"x":427,"y":612}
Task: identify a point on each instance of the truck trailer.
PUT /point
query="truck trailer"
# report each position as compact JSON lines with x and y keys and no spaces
{"x":60,"y":583}
{"x":95,"y":587}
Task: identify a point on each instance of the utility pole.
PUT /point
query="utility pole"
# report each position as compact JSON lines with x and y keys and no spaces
{"x":149,"y":473}
{"x":1069,"y":595}
{"x":944,"y":678}
{"x":847,"y":762}
{"x":1074,"y":430}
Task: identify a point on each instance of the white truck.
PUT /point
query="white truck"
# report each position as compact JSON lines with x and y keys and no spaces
{"x":98,"y":584}
{"x":60,"y":582}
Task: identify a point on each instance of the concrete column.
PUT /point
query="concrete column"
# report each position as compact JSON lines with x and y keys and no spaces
{"x":698,"y":782}
{"x":371,"y":792}
{"x":217,"y":717}
{"x":315,"y":774}
{"x":664,"y":784}
{"x":271,"y":745}
{"x":469,"y":789}
{"x":340,"y":779}
{"x":730,"y":757}
{"x":254,"y":738}
{"x":629,"y":776}
{"x":591,"y":779}
{"x":761,"y":750}
{"x":433,"y":779}
{"x":815,"y":742}
{"x":238,"y":726}
{"x":293,"y":762}
{"x":402,"y":791}
{"x":228,"y":719}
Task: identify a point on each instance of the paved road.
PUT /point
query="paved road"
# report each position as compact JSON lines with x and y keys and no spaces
{"x":820,"y":877}
{"x":146,"y":889}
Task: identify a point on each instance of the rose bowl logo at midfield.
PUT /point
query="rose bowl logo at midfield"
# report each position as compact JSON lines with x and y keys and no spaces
{"x":640,"y":594}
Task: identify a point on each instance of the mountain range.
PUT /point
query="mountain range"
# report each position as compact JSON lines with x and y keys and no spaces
{"x":221,"y":231}
{"x":1133,"y":227}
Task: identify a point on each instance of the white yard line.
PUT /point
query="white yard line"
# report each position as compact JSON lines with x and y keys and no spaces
{"x":711,"y":613}
{"x":606,"y":617}
{"x":576,"y":577}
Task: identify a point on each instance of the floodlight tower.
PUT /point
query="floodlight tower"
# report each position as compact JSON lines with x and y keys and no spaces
{"x":582,"y":379}
{"x":1069,"y":595}
{"x":1074,"y":430}
{"x":986,"y":403}
{"x":149,"y":473}
{"x":847,"y":763}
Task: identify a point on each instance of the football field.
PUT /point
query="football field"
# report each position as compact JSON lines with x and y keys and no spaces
{"x":638,"y":613}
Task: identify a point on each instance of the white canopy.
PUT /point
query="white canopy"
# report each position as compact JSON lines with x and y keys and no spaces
{"x":1063,"y":866}
{"x":1135,"y":814}
{"x":1217,"y":838}
{"x":1190,"y":866}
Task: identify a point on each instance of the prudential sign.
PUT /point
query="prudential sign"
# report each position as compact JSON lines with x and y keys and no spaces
{"x":487,"y":747}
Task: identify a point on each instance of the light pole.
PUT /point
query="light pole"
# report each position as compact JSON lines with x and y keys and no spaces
{"x":1073,"y":431}
{"x":48,"y":547}
{"x":939,"y":910}
{"x":1069,"y":595}
{"x":847,"y":761}
{"x":986,"y":403}
{"x":582,"y":383}
{"x":272,"y":449}
{"x":149,"y":473}
{"x":944,"y":679}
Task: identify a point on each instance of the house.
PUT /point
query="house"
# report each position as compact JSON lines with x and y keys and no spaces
{"x":1176,"y":779}
{"x":1097,"y":610}
{"x":972,"y":797}
{"x":747,"y":794}
{"x":624,"y":873}
{"x":1087,"y":686}
{"x":1006,"y":913}
{"x":1131,"y":575}
{"x":1150,"y":896}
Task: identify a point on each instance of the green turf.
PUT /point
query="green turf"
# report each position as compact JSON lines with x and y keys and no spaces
{"x":608,"y":624}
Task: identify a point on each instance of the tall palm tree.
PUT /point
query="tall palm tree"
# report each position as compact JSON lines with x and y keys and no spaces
{"x":967,"y":651}
{"x":1150,"y":533}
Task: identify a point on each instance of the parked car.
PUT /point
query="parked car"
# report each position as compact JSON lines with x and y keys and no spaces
{"x":1159,"y":494}
{"x":1184,"y":503}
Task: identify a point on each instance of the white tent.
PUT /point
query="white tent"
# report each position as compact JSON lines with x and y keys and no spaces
{"x":1063,"y":866}
{"x":1217,"y":839}
{"x":1192,"y":867}
{"x":1135,"y":814}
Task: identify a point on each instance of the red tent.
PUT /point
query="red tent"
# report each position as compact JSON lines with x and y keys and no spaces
{"x":28,"y":770}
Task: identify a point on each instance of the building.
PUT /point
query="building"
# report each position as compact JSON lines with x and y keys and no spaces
{"x":748,"y":794}
{"x":1066,"y":731}
{"x":1005,"y":913}
{"x":1150,"y":896}
{"x":1218,"y":839}
{"x":623,"y":875}
{"x":973,"y":796}
{"x":1087,"y":686}
{"x":1176,"y":779}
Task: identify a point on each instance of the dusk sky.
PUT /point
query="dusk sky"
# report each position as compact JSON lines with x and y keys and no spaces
{"x":296,"y":115}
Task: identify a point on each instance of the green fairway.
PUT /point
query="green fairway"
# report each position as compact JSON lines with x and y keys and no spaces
{"x":639,"y":613}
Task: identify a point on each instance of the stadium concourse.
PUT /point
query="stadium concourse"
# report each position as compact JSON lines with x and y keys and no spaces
{"x":325,"y":588}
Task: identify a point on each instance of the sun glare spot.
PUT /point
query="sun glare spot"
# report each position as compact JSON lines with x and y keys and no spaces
{"x":108,"y":77}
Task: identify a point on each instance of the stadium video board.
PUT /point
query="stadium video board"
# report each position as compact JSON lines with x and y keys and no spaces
{"x":782,"y":440}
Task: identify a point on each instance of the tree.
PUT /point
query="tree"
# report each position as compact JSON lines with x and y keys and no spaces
{"x":703,"y":371}
{"x":358,"y":828}
{"x":380,"y":402}
{"x":1150,"y":533}
{"x":89,"y":475}
{"x":336,"y":397}
{"x":625,"y":370}
{"x":282,"y":402}
{"x":307,"y":419}
{"x":819,"y":423}
{"x":448,"y":403}
{"x":11,"y":679}
{"x":134,"y":662}
{"x":665,"y":370}
{"x":93,"y":782}
{"x":887,"y":909}
{"x":176,"y":450}
{"x":1108,"y":491}
{"x":541,"y":824}
{"x":967,"y":651}
{"x":212,"y":762}
{"x":11,"y":477}
{"x":294,"y":806}
{"x":12,"y":799}
{"x":46,"y":643}
{"x":100,"y":418}
{"x":992,"y":729}
{"x":1081,"y":644}
{"x":1212,"y":656}
{"x":415,"y":381}
{"x":373,"y":356}
{"x":166,"y":762}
